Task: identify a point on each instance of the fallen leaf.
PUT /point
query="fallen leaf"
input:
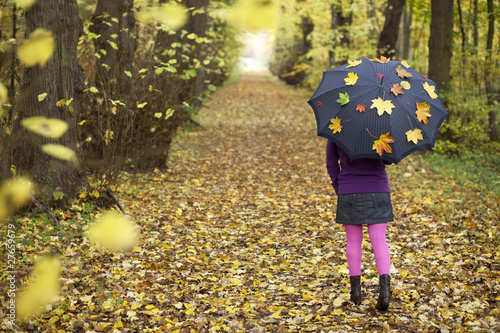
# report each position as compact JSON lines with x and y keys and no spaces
{"x":382,"y":106}
{"x":423,"y":112}
{"x":335,"y":125}
{"x":382,"y":144}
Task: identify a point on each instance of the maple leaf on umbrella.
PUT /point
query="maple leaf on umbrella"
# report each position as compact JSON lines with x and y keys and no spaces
{"x":380,"y":75}
{"x":403,"y":73}
{"x":430,"y":90}
{"x":354,"y":63}
{"x":423,"y":112}
{"x":397,"y":89}
{"x":351,"y":79}
{"x":335,"y":126}
{"x":361,"y":107}
{"x":414,"y":135}
{"x":382,"y":60}
{"x":382,"y":144}
{"x":343,"y":99}
{"x":319,"y":103}
{"x":404,"y":63}
{"x":382,"y":106}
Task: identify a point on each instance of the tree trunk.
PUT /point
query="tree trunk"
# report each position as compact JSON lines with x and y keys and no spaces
{"x":114,"y":21}
{"x":341,"y":24}
{"x":388,"y":38}
{"x":491,"y":93}
{"x":61,"y":78}
{"x":440,"y":43}
{"x":403,"y":49}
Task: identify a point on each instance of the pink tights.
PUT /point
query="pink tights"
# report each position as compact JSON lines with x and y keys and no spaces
{"x":381,"y":252}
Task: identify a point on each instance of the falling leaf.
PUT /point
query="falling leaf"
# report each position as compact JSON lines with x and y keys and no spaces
{"x":430,"y":90}
{"x":158,"y":114}
{"x":141,"y":105}
{"x":351,"y":79}
{"x":405,"y":84}
{"x":37,"y":49}
{"x":252,"y":14}
{"x":335,"y":125}
{"x":361,"y":107}
{"x":171,"y":14}
{"x":113,"y":231}
{"x":169,"y":113}
{"x":423,"y":112}
{"x":108,"y":136}
{"x":382,"y":144}
{"x":404,"y":63}
{"x":354,"y":63}
{"x":382,"y":106}
{"x":41,"y":97}
{"x":14,"y":193}
{"x":61,"y":152}
{"x":397,"y":89}
{"x":403,"y":73}
{"x":343,"y":99}
{"x":382,"y":60}
{"x":51,"y":128}
{"x":42,"y":290}
{"x":414,"y":135}
{"x":25,"y":4}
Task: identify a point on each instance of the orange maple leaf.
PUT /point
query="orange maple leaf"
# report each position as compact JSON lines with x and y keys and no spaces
{"x":361,"y":107}
{"x":423,"y":112}
{"x":382,"y":144}
{"x":397,"y":89}
{"x":403,"y":73}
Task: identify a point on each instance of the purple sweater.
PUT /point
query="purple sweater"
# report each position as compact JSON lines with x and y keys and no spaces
{"x":364,"y":175}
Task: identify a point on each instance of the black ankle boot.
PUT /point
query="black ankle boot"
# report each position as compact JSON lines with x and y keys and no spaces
{"x":384,"y":296}
{"x":355,"y":289}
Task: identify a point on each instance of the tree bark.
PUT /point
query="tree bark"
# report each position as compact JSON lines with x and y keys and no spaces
{"x":440,"y":43}
{"x":61,"y":78}
{"x":388,"y":38}
{"x":114,"y":21}
{"x":341,"y":24}
{"x":403,"y":49}
{"x":491,"y":93}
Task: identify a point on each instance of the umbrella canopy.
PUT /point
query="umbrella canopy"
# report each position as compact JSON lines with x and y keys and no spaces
{"x":377,"y":108}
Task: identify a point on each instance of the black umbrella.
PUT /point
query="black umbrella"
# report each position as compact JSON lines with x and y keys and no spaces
{"x":377,"y":108}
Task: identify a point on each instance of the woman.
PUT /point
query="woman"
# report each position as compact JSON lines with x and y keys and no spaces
{"x":363,"y":193}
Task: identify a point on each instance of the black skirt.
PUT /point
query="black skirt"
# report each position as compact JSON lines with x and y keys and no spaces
{"x":364,"y":208}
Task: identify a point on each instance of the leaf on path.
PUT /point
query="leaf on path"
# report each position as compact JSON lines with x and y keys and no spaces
{"x":113,"y":231}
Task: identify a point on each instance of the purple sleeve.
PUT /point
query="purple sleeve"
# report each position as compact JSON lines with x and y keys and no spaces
{"x":332,"y":164}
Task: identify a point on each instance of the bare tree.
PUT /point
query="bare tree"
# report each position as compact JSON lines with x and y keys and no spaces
{"x":440,"y":42}
{"x":491,"y":92}
{"x":389,"y":36}
{"x":62,"y":79}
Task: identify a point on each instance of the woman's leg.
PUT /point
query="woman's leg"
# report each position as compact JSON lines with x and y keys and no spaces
{"x":380,"y":247}
{"x":354,"y":235}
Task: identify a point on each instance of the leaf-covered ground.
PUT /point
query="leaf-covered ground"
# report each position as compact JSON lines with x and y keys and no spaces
{"x":239,"y":235}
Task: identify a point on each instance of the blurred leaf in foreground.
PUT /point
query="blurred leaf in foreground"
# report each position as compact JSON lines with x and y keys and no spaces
{"x":37,"y":49}
{"x":113,"y":231}
{"x":253,"y":14}
{"x":172,"y":15}
{"x":13,"y":194}
{"x":42,"y":290}
{"x":51,"y":128}
{"x":61,"y":152}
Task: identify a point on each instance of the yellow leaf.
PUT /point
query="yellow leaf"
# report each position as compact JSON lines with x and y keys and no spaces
{"x":51,"y":128}
{"x":37,"y":49}
{"x":382,"y":60}
{"x":252,"y":14}
{"x":235,"y":281}
{"x":308,"y":317}
{"x":113,"y":231}
{"x":178,"y":212}
{"x":335,"y":125}
{"x":382,"y":106}
{"x":171,"y":14}
{"x":42,"y":290}
{"x":4,"y":94}
{"x":404,"y":63}
{"x":41,"y":97}
{"x":354,"y":63}
{"x":406,"y":85}
{"x":414,"y":135}
{"x":338,"y":302}
{"x":13,"y":194}
{"x":113,"y":44}
{"x":382,"y":144}
{"x":142,"y":105}
{"x":423,"y":112}
{"x":430,"y":90}
{"x":351,"y":79}
{"x":61,"y":152}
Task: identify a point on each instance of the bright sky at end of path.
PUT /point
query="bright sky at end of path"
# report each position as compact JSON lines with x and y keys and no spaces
{"x":257,"y":51}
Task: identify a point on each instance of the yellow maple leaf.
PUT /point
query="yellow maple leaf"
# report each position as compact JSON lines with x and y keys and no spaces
{"x":351,"y":79}
{"x":430,"y":90}
{"x":37,"y":49}
{"x":414,"y":135}
{"x":423,"y":112}
{"x":354,"y":63}
{"x":382,"y":106}
{"x":382,"y":144}
{"x":382,"y":60}
{"x":335,"y":126}
{"x":404,"y":63}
